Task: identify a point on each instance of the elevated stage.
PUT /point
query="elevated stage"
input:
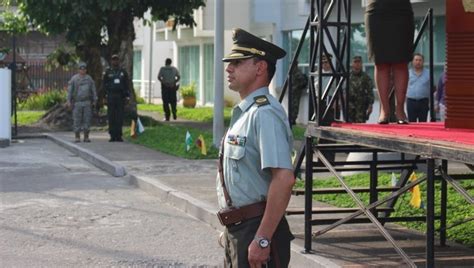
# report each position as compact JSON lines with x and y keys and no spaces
{"x":431,"y":143}
{"x":431,"y":140}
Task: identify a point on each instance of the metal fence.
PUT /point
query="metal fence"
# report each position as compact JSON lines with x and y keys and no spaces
{"x":36,"y":76}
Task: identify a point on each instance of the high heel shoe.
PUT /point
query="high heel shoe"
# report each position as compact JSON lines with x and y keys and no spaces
{"x":383,"y":121}
{"x":402,"y":122}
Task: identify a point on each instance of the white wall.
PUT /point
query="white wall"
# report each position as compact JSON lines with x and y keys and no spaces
{"x":154,"y":54}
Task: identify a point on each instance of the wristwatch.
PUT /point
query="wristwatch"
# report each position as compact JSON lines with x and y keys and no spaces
{"x":262,"y":241}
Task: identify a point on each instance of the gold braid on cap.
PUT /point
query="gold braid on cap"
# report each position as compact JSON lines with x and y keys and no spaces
{"x":251,"y":50}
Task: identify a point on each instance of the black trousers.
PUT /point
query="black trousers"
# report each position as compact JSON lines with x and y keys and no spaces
{"x":115,"y":110}
{"x":417,"y":110}
{"x":168,"y":94}
{"x":239,"y":237}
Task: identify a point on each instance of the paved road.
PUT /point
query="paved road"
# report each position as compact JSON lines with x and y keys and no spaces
{"x":57,"y":210}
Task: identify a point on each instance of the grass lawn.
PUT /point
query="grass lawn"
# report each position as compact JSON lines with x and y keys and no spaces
{"x":199,"y":114}
{"x":28,"y":117}
{"x":171,"y":139}
{"x":458,"y":208}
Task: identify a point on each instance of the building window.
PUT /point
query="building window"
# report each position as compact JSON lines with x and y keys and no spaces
{"x":189,"y":66}
{"x":209,"y":73}
{"x":290,"y":44}
{"x":137,"y":70}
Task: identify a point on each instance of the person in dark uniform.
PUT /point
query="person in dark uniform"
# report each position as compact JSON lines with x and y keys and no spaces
{"x":255,"y":174}
{"x":390,"y":30}
{"x":117,"y":92}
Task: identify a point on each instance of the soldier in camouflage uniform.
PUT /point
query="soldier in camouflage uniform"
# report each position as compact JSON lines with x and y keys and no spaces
{"x":81,"y":97}
{"x":361,"y":94}
{"x":299,"y":83}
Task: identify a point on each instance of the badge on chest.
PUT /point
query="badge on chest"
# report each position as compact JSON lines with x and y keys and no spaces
{"x":236,"y":140}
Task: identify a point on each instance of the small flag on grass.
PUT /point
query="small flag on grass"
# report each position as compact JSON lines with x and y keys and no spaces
{"x":201,"y":144}
{"x":394,"y":180}
{"x":188,"y":141}
{"x":415,"y":200}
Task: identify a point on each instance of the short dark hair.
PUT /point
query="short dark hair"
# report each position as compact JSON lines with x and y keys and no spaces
{"x":168,"y":61}
{"x":418,"y":54}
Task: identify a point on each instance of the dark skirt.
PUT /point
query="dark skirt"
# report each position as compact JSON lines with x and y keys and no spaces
{"x":390,"y":30}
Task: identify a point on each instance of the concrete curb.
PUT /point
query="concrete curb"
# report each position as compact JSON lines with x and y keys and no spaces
{"x":185,"y":202}
{"x":99,"y":161}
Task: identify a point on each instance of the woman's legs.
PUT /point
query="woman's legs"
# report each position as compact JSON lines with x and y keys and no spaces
{"x":382,"y":80}
{"x":400,"y":77}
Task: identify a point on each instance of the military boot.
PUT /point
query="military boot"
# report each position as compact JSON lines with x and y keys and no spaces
{"x":78,"y":137}
{"x":86,"y":136}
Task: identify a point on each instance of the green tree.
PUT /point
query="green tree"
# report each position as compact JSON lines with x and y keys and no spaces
{"x":103,"y":27}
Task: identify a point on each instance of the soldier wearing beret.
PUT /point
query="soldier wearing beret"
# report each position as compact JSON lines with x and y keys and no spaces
{"x":361,"y":94}
{"x":116,"y":88}
{"x":256,"y":174}
{"x":81,"y":96}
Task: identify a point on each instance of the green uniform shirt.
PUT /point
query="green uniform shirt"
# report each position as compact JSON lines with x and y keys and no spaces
{"x":361,"y":96}
{"x":259,"y":138}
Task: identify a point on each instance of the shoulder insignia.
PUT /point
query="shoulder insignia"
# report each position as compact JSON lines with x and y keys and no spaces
{"x":261,"y":100}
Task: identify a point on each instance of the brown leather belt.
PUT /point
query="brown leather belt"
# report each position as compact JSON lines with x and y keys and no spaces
{"x":234,"y":216}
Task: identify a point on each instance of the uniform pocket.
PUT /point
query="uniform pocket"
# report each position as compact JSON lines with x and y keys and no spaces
{"x":235,"y":152}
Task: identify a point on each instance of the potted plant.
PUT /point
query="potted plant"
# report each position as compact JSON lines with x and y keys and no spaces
{"x":188,"y":93}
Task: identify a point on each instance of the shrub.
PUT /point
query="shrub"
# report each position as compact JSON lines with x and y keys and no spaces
{"x":139,"y":99}
{"x":188,"y":91}
{"x":44,"y":100}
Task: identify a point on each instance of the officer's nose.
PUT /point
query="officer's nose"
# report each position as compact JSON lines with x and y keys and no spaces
{"x":229,"y":68}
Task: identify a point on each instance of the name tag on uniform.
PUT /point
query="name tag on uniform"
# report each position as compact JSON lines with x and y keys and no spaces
{"x":116,"y":81}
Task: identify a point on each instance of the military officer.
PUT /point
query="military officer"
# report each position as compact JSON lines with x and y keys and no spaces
{"x":117,"y":91}
{"x":256,"y":174}
{"x":81,"y":96}
{"x":361,"y":93}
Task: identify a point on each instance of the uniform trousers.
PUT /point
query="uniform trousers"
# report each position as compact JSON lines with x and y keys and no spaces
{"x":417,"y":110}
{"x":168,"y":94}
{"x":81,"y":116}
{"x":115,"y":110}
{"x":239,"y":237}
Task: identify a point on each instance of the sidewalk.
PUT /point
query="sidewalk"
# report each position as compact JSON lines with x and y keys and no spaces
{"x":190,"y":186}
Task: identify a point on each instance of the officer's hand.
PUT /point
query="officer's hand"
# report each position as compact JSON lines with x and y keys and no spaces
{"x":127,"y":100}
{"x":257,"y":255}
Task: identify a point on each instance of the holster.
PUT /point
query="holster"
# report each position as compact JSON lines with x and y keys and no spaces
{"x":235,"y":215}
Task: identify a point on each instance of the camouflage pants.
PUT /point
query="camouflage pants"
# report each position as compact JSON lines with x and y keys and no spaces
{"x":81,"y":115}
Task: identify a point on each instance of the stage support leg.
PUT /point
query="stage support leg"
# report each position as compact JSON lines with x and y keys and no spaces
{"x":373,"y":182}
{"x":308,"y":204}
{"x":444,"y":198}
{"x":430,"y":213}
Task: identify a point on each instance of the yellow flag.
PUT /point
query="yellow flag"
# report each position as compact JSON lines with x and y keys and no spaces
{"x":415,"y":200}
{"x":201,"y":144}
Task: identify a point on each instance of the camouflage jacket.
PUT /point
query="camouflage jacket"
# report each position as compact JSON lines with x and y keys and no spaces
{"x":361,"y":96}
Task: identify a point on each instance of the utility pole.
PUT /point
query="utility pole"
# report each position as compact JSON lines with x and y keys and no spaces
{"x":218,"y":122}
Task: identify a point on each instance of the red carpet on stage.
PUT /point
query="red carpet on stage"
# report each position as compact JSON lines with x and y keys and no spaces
{"x":430,"y":131}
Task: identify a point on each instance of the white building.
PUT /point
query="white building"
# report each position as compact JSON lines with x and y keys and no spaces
{"x":279,"y":21}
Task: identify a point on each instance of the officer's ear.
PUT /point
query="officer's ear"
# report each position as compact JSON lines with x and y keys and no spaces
{"x":262,"y":67}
